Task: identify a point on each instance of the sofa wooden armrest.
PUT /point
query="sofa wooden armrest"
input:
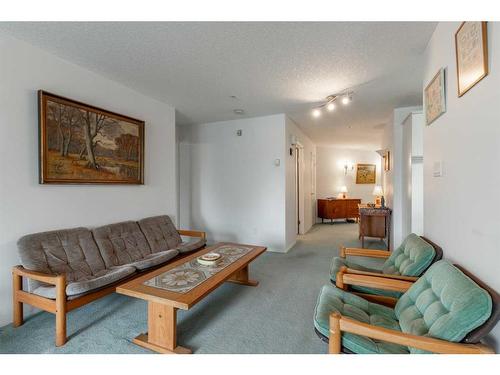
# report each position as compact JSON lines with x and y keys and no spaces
{"x":35,"y":275}
{"x":339,"y":324}
{"x":57,"y":306}
{"x":343,"y":280}
{"x":388,"y":276}
{"x":371,"y":253}
{"x":192,"y":233}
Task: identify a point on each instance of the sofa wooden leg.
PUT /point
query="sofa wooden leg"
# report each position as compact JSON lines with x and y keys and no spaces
{"x":17,"y":312}
{"x":334,"y":344}
{"x":61,"y":311}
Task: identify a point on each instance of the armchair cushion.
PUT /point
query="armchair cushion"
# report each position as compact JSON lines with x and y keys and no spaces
{"x":411,"y":258}
{"x":332,"y":299}
{"x":88,"y":283}
{"x":160,"y":233}
{"x":338,"y":262}
{"x":444,"y":303}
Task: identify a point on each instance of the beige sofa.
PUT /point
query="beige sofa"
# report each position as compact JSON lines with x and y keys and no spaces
{"x":71,"y":267}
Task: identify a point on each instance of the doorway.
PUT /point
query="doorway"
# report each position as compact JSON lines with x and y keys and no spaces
{"x":299,"y":190}
{"x":413,"y":174}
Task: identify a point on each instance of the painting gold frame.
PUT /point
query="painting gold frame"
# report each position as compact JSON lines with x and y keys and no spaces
{"x":366,"y":173}
{"x":473,"y":48}
{"x":45,"y":176}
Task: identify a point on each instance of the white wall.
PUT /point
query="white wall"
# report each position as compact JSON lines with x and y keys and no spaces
{"x":230,"y":185}
{"x":392,"y":140}
{"x":308,"y":202}
{"x":330,"y":174}
{"x":461,"y":208}
{"x":26,"y":206}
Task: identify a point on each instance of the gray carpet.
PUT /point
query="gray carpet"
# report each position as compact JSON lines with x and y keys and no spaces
{"x":275,"y":317}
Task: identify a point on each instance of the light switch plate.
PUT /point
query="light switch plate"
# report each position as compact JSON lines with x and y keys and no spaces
{"x":277,"y":162}
{"x":437,"y":170}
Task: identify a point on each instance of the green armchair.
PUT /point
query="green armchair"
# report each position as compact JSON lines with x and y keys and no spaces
{"x":447,"y":310}
{"x":407,"y":262}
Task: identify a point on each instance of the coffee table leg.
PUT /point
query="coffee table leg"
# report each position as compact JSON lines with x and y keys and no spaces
{"x":241,"y":277}
{"x":162,"y":327}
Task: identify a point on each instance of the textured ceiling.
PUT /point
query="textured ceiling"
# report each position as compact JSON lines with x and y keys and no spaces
{"x":270,"y":67}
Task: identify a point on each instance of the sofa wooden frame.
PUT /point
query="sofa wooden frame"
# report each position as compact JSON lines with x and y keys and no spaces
{"x":60,"y":306}
{"x":339,"y":323}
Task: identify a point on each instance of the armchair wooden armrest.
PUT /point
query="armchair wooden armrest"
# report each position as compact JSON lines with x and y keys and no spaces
{"x":377,"y":282}
{"x":339,"y":324}
{"x":388,"y":276}
{"x":38,"y":276}
{"x":192,"y":233}
{"x":372,"y":253}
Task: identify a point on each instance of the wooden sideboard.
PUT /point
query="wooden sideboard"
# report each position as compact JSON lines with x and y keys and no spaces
{"x":338,"y":209}
{"x":375,"y":222}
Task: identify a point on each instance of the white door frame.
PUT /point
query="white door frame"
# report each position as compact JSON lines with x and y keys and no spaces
{"x":299,"y":188}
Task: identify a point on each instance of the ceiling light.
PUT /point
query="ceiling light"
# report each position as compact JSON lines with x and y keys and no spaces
{"x":346,"y":99}
{"x":330,"y":106}
{"x":316,"y":112}
{"x":238,"y":111}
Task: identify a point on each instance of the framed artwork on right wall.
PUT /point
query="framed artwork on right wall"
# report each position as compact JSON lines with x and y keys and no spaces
{"x":435,"y":97}
{"x":471,"y":48}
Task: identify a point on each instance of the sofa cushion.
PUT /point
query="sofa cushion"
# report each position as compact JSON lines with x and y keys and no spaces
{"x":154,"y":259}
{"x":444,"y":303}
{"x":187,"y":246}
{"x":69,"y":251}
{"x":160,"y":233}
{"x":332,"y":299}
{"x":121,"y":243}
{"x":87,"y":284}
{"x":411,"y":258}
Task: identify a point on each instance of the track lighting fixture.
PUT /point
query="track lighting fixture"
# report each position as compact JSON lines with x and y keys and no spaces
{"x":329,"y":104}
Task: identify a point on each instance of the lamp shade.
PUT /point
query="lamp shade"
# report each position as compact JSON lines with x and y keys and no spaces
{"x":377,"y":191}
{"x":343,"y":189}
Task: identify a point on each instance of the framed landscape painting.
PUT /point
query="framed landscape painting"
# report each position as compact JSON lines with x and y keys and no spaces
{"x":471,"y":48}
{"x":366,"y":173}
{"x":82,"y":144}
{"x":434,"y":98}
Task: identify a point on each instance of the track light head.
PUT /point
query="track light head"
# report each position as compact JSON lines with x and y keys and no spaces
{"x":330,"y":106}
{"x":346,"y":99}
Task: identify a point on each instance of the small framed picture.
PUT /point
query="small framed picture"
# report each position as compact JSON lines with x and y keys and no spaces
{"x":435,"y":97}
{"x":366,"y":173}
{"x":471,"y":48}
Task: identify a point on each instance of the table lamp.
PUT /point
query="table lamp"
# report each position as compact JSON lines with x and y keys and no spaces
{"x":343,"y":191}
{"x":378,"y":192}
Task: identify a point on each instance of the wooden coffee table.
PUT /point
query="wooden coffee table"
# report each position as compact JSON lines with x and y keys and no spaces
{"x":163,"y":304}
